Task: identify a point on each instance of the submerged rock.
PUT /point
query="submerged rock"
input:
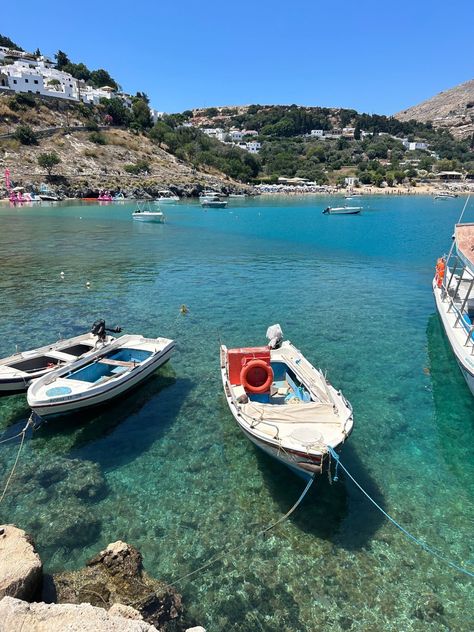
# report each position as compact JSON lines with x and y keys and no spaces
{"x":116,"y":575}
{"x":429,"y":608}
{"x":18,"y":615}
{"x":20,"y":565}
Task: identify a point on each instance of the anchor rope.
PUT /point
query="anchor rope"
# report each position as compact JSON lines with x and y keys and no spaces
{"x":261,"y":532}
{"x":423,"y":545}
{"x":29,"y":423}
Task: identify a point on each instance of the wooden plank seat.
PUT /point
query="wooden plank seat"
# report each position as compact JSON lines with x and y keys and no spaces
{"x":117,"y":362}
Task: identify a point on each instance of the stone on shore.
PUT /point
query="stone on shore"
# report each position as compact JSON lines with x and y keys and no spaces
{"x":116,"y":575}
{"x":18,"y":615}
{"x":198,"y":628}
{"x":20,"y":565}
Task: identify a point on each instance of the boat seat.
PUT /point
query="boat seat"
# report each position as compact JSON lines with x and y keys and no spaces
{"x":117,"y":362}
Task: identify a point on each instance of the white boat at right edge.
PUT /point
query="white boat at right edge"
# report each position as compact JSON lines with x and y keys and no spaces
{"x":453,"y":291}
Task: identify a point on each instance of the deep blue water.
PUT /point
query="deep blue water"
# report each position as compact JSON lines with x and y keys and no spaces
{"x":168,"y":471}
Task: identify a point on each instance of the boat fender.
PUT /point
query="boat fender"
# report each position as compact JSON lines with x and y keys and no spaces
{"x":256,"y":376}
{"x":440,"y":270}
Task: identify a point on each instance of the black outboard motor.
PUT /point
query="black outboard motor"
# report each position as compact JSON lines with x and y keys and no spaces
{"x":98,"y":329}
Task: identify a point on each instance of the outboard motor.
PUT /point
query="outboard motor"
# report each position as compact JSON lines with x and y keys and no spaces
{"x":99,"y":329}
{"x":275,"y":336}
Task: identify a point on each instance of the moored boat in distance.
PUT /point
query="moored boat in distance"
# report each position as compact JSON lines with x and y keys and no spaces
{"x":214,"y":203}
{"x":100,"y":377}
{"x":148,"y":214}
{"x":166,"y":197}
{"x":284,"y":405}
{"x":453,"y":285}
{"x":19,"y":370}
{"x":342,"y":210}
{"x":445,"y":195}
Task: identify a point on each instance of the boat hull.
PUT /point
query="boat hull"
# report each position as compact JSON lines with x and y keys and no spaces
{"x":149,"y":217}
{"x":462,"y":354}
{"x":86,"y":400}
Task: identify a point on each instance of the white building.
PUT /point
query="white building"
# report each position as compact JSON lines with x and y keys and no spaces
{"x":351,"y":181}
{"x":348,"y":132}
{"x":253,"y":147}
{"x":317,"y":133}
{"x":236,"y":135}
{"x":417,"y":145}
{"x":155,"y":115}
{"x":215,"y":132}
{"x":38,"y":78}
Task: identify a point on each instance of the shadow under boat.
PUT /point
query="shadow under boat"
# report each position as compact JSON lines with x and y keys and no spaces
{"x":335,"y":511}
{"x":452,"y":400}
{"x":137,"y":418}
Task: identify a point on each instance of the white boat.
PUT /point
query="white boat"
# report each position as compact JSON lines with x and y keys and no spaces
{"x":147,"y":214}
{"x":100,"y":377}
{"x":453,"y":285}
{"x":445,"y":195}
{"x":166,"y":197}
{"x":342,"y":210}
{"x":19,"y":370}
{"x":284,"y":405}
{"x":214,"y":203}
{"x":237,"y":195}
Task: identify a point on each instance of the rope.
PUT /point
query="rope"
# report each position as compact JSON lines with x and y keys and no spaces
{"x":399,"y":526}
{"x":29,"y":423}
{"x":465,"y":206}
{"x":261,"y":532}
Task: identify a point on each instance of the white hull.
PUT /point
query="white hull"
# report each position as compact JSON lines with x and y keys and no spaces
{"x":457,"y":336}
{"x":343,"y":210}
{"x":86,"y":395}
{"x":149,"y":216}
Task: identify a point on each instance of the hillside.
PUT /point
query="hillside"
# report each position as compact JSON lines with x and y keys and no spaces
{"x":452,"y":109}
{"x":92,"y":158}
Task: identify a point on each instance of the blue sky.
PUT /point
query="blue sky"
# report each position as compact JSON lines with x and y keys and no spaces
{"x":369,"y":55}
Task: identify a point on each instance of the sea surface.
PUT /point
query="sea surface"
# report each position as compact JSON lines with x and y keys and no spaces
{"x":167,"y":470}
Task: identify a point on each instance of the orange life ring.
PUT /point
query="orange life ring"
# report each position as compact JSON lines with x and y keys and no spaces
{"x":256,"y":376}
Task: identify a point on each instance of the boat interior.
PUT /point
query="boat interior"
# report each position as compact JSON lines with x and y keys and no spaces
{"x":284,"y":389}
{"x":53,"y":358}
{"x":110,"y":365}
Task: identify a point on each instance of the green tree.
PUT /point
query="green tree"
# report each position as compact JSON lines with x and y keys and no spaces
{"x":357,"y":133}
{"x":61,"y":60}
{"x":141,"y":114}
{"x":117,"y":110}
{"x":101,"y":77}
{"x":8,"y":43}
{"x":25,"y":135}
{"x":48,"y":161}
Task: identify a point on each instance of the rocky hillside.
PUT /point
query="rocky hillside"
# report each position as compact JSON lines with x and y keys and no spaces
{"x":452,"y":109}
{"x":92,"y":158}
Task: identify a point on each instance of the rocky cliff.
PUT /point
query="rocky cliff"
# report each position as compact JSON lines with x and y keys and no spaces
{"x":452,"y":109}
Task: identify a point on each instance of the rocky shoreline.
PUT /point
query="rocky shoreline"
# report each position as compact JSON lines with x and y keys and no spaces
{"x":112,"y":593}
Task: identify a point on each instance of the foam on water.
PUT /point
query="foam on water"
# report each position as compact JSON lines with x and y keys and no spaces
{"x":167,"y":469}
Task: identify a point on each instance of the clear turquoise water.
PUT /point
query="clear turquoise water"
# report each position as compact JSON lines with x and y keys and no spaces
{"x":168,"y":471}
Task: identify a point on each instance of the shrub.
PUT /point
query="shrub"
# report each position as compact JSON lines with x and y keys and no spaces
{"x":141,"y":166}
{"x":98,"y":138}
{"x":48,"y":161}
{"x":25,"y":135}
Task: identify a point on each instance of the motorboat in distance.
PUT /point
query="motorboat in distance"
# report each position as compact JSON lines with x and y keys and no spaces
{"x":342,"y":210}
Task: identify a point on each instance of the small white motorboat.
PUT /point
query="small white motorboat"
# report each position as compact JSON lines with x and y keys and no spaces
{"x":284,"y":405}
{"x":342,"y":210}
{"x":214,"y":203}
{"x":148,"y":214}
{"x":445,"y":195}
{"x":100,"y":377}
{"x":19,"y":370}
{"x":166,"y":197}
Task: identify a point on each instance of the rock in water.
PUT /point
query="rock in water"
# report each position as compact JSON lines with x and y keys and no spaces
{"x":116,"y":575}
{"x":20,"y":565}
{"x":18,"y":615}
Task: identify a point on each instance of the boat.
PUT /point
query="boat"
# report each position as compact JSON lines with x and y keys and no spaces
{"x":145,"y":213}
{"x":285,"y":406}
{"x":342,"y":210}
{"x":445,"y":195}
{"x":237,"y":195}
{"x":166,"y":197}
{"x":213,"y":203}
{"x":19,"y":370}
{"x":100,"y":377}
{"x":453,"y":285}
{"x":46,"y":195}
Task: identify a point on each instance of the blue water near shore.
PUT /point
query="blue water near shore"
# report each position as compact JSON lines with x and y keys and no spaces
{"x":168,"y":471}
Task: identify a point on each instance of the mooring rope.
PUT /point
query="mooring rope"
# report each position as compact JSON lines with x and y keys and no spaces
{"x":261,"y":532}
{"x":424,"y":546}
{"x":29,"y":423}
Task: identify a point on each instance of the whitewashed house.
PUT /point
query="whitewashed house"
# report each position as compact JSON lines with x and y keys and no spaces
{"x":317,"y":133}
{"x":236,"y":135}
{"x":23,"y":76}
